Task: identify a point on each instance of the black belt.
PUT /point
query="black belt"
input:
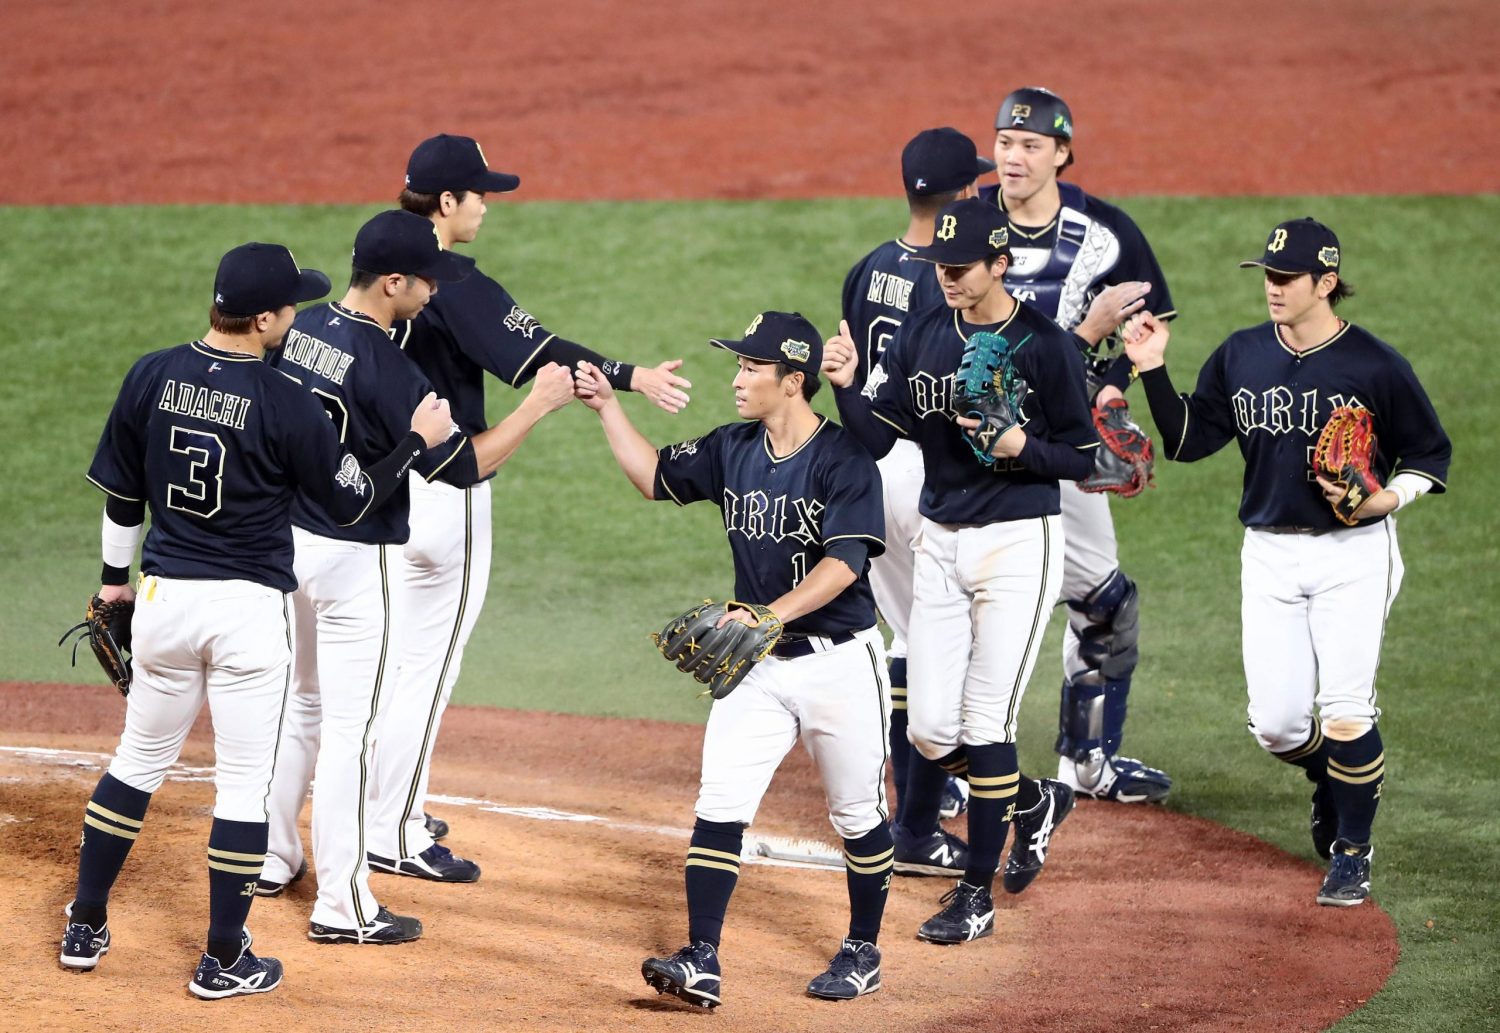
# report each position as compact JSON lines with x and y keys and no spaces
{"x":790,"y":647}
{"x":1294,"y":529}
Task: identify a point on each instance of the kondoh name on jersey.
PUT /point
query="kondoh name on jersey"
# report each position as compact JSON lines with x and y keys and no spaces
{"x":221,"y":407}
{"x":319,"y":356}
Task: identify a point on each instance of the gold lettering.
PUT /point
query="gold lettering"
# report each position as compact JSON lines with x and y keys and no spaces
{"x":1278,"y":241}
{"x":949,"y":229}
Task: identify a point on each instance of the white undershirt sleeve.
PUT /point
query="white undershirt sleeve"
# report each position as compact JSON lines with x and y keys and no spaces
{"x":118,"y":542}
{"x":1408,"y":488}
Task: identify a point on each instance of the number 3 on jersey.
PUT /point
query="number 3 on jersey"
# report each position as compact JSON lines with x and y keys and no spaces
{"x":196,"y":484}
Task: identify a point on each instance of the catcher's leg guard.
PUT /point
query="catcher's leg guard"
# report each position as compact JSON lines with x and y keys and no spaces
{"x":1091,"y":719}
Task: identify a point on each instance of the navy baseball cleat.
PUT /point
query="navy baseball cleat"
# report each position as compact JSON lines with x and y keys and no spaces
{"x":1121,"y":779}
{"x":437,"y":828}
{"x":1324,"y":823}
{"x":272,"y":888}
{"x":853,"y":972}
{"x":955,"y":799}
{"x":437,"y":863}
{"x":1033,"y":834}
{"x":940,"y":853}
{"x":969,"y":915}
{"x":248,"y":975}
{"x":1348,"y":881}
{"x":82,"y":946}
{"x":690,"y":975}
{"x":385,"y":929}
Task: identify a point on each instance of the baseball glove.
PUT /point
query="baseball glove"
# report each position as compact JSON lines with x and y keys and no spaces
{"x":719,"y":657}
{"x":989,"y":390}
{"x":1125,"y":461}
{"x":1345,"y":455}
{"x":107,"y":628}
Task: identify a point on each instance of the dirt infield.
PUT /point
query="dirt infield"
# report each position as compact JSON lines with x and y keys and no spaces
{"x":308,"y":100}
{"x":1185,"y":925}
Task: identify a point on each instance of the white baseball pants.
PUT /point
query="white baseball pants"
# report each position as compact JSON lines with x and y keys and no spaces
{"x":901,"y":475}
{"x":982,"y":598}
{"x":837,"y":701}
{"x":224,"y":641}
{"x":1313,"y":617}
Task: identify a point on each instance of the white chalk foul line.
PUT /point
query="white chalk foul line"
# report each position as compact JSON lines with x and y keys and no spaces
{"x":777,"y":851}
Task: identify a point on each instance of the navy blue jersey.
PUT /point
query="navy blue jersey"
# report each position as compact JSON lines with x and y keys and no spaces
{"x":879,"y":292}
{"x":1275,"y":401}
{"x":369,"y":389}
{"x":217,"y":443}
{"x":912,"y":392}
{"x":468,"y":328}
{"x":784,"y":514}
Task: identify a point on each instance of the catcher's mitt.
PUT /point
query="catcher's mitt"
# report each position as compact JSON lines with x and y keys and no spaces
{"x":1125,"y":461}
{"x":1345,"y":454}
{"x":107,"y":627}
{"x":719,"y":657}
{"x":989,"y":390}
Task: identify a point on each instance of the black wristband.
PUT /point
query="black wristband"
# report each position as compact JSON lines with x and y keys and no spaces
{"x":115,"y":575}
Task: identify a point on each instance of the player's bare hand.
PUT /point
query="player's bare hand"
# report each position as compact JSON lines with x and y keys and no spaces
{"x":1108,"y":393}
{"x":1145,"y":338}
{"x":1378,"y":504}
{"x":662,"y":385}
{"x":433,"y":420}
{"x":553,"y":387}
{"x":590,"y":386}
{"x":745,"y":617}
{"x":116,"y":593}
{"x":1007,"y":446}
{"x":1111,"y":307}
{"x":840,"y":357}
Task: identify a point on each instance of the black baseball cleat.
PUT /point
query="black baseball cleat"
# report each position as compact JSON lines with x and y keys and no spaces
{"x":1324,"y":823}
{"x":248,"y":975}
{"x":437,"y":863}
{"x":437,"y":828}
{"x":969,"y":915}
{"x":939,"y":853}
{"x":83,"y":946}
{"x":1033,"y":834}
{"x":1348,"y":880}
{"x":853,"y":972}
{"x":385,"y":929}
{"x":272,"y":888}
{"x":690,"y":975}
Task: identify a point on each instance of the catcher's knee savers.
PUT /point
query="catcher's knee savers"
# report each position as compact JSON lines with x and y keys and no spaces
{"x":1091,"y":721}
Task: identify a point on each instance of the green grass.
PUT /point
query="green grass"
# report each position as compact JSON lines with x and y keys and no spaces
{"x":581,"y":560}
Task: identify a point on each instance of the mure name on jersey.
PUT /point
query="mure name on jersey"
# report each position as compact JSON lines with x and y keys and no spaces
{"x":322,"y":358}
{"x":221,"y":407}
{"x":889,"y":289}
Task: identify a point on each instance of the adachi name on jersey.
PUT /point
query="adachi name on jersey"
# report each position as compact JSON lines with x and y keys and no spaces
{"x":889,"y":289}
{"x":319,"y":356}
{"x":219,"y":407}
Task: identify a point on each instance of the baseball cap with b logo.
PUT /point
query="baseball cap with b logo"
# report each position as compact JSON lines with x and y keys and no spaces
{"x":446,"y":162}
{"x":1299,"y":246}
{"x":779,"y":337}
{"x":401,"y":242}
{"x":966,"y":231}
{"x":940,"y":161}
{"x":255,"y":278}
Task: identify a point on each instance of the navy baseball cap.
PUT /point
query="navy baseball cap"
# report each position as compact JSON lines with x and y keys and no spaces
{"x":779,"y":337}
{"x":401,"y":242}
{"x":966,"y":231}
{"x":940,"y":161}
{"x":255,"y":278}
{"x":1299,"y":246}
{"x":1035,"y":110}
{"x":454,"y":163}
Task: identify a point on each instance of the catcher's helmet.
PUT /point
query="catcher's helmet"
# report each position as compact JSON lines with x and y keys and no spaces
{"x":1036,"y":110}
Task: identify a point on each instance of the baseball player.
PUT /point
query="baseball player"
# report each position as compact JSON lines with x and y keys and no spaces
{"x":471,"y":328}
{"x":1316,"y":593}
{"x":938,"y":166}
{"x":1086,"y":264}
{"x":989,"y":554}
{"x":801,"y":505}
{"x":215,"y":443}
{"x":347,"y":608}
